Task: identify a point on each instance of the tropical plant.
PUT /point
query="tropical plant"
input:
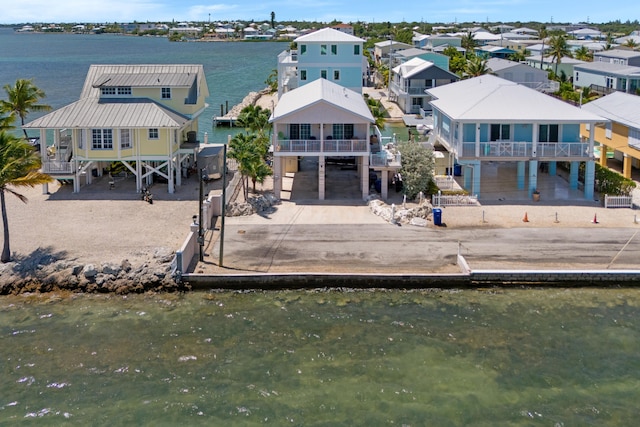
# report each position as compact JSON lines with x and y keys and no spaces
{"x":476,"y":66}
{"x":583,"y":54}
{"x":468,"y":43}
{"x":19,"y":167}
{"x":520,"y":55}
{"x":255,"y":119}
{"x":558,"y":49}
{"x":631,"y":43}
{"x":6,"y":121}
{"x":272,"y":81}
{"x":23,"y":98}
{"x":250,"y":152}
{"x":417,"y":168}
{"x":542,"y":35}
{"x":377,"y":111}
{"x":273,"y":19}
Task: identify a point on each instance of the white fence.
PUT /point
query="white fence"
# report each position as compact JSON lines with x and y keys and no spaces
{"x":618,"y":201}
{"x":453,"y":200}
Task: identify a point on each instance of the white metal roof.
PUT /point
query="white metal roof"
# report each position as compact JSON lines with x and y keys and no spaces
{"x":492,"y":99}
{"x":113,"y":113}
{"x":618,"y":53}
{"x":607,"y":67}
{"x":328,"y":35}
{"x":412,"y":67}
{"x":618,"y":107}
{"x":322,"y":91}
{"x":146,"y":80}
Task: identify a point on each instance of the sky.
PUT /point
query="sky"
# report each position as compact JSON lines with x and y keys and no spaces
{"x":432,"y":11}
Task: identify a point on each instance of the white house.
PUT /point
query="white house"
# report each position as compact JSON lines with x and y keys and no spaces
{"x":489,"y":119}
{"x":523,"y":74}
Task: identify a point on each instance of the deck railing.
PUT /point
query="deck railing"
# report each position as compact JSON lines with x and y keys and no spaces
{"x":325,"y":146}
{"x":525,"y":149}
{"x":385,"y":158}
{"x":618,"y":201}
{"x":54,"y":167}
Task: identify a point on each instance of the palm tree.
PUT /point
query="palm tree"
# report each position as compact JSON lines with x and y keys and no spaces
{"x":542,"y":35}
{"x":250,"y":152}
{"x":23,"y":98}
{"x":476,"y":66}
{"x":583,"y":54}
{"x":520,"y":55}
{"x":468,"y":42}
{"x":559,"y":49}
{"x":6,"y":121}
{"x":631,"y":43}
{"x":255,"y":119}
{"x":19,"y":167}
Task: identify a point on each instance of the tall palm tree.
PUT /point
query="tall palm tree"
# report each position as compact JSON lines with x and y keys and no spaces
{"x":542,"y":35}
{"x":24,"y":97}
{"x":19,"y":167}
{"x":583,"y":54}
{"x":520,"y":55}
{"x":559,"y":49}
{"x":468,"y":43}
{"x":254,"y":118}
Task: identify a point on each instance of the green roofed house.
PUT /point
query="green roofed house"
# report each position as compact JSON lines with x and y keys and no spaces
{"x":143,"y":116}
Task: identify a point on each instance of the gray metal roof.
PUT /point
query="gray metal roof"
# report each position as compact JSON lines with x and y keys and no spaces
{"x":618,"y":107}
{"x":607,"y":67}
{"x":146,"y":80}
{"x":113,"y":113}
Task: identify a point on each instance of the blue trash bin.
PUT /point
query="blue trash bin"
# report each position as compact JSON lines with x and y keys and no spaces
{"x":437,"y":216}
{"x":457,"y":170}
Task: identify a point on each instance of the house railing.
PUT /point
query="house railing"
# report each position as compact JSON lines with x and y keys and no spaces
{"x":525,"y":149}
{"x":445,"y":182}
{"x":453,"y":200}
{"x":410,"y":90}
{"x":385,"y":158}
{"x":618,"y":201}
{"x":57,"y":167}
{"x":325,"y":146}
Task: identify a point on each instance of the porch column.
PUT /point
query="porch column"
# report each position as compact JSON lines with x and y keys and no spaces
{"x":573,"y":175}
{"x":321,"y":180}
{"x":475,"y":182}
{"x":533,"y":176}
{"x":589,"y":179}
{"x":477,"y":141}
{"x":384,"y":187}
{"x":552,"y":168}
{"x":603,"y":155}
{"x":467,"y":174}
{"x":43,"y":155}
{"x":170,"y":169}
{"x":521,"y":171}
{"x":626,"y":166}
{"x":277,"y":176}
{"x":364,"y":176}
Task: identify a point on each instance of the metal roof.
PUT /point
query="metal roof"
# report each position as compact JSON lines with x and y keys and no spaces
{"x":618,"y":107}
{"x":322,"y":91}
{"x":492,"y":99}
{"x":416,"y":66}
{"x":146,"y":80}
{"x":113,"y":113}
{"x":607,"y":67}
{"x":328,"y":35}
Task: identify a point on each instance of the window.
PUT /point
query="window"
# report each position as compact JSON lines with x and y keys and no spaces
{"x":153,"y":133}
{"x":323,"y":49}
{"x":101,"y":139}
{"x":166,"y":93}
{"x":577,"y":76}
{"x":125,"y":138}
{"x":303,"y":75}
{"x":323,"y":74}
{"x":299,"y":131}
{"x":107,"y":90}
{"x":336,"y":74}
{"x":334,"y":49}
{"x":303,"y":49}
{"x":548,"y":133}
{"x":500,"y":132}
{"x":356,"y":49}
{"x":343,"y":131}
{"x":124,"y":90}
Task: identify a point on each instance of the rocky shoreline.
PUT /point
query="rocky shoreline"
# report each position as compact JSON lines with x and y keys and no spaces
{"x":46,"y":274}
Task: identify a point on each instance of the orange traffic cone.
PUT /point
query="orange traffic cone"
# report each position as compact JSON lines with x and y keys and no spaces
{"x":595,"y":219}
{"x":526,"y":218}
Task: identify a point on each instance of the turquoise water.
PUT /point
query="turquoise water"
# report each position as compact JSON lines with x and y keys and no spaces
{"x":482,"y":358}
{"x":58,"y":63}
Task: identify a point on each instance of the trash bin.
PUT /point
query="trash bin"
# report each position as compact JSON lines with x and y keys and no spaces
{"x":457,"y":170}
{"x":437,"y":216}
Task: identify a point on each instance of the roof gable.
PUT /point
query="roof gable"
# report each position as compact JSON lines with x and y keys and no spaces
{"x":328,"y":35}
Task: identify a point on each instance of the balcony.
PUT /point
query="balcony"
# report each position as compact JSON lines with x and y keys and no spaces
{"x":327,"y":146}
{"x":385,"y":159}
{"x":57,"y":167}
{"x":511,"y":149}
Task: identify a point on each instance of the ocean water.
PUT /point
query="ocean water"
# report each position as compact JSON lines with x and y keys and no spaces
{"x":58,"y":64}
{"x":323,"y":358}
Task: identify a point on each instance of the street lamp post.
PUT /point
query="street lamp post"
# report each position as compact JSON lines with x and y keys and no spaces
{"x":203,"y":177}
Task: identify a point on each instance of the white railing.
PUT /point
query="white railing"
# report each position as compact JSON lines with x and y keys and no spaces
{"x":325,"y":146}
{"x":525,"y":149}
{"x":618,"y":201}
{"x":57,"y":167}
{"x":453,"y":200}
{"x":445,"y":182}
{"x":385,"y":158}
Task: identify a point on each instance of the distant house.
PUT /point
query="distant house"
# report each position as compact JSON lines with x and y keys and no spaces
{"x":618,"y":56}
{"x":143,"y":116}
{"x":489,"y":51}
{"x":383,"y":49}
{"x":410,"y":80}
{"x":328,"y":54}
{"x":622,"y":133}
{"x":523,"y":74}
{"x":565,"y":66}
{"x":325,"y":120}
{"x":345,"y":28}
{"x":606,"y":77}
{"x":501,"y":121}
{"x":402,"y":56}
{"x":586,"y":34}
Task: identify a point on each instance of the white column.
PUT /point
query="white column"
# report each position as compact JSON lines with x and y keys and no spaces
{"x":277,"y":176}
{"x":321,"y":180}
{"x":364,"y":176}
{"x":384,"y":188}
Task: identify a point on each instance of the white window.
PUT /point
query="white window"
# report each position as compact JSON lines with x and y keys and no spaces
{"x":299,"y":131}
{"x":500,"y":132}
{"x":548,"y":133}
{"x":303,"y":49}
{"x":166,"y":93}
{"x":154,"y":134}
{"x":125,"y":138}
{"x":101,"y":139}
{"x":323,"y":49}
{"x":343,"y":131}
{"x":356,"y":49}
